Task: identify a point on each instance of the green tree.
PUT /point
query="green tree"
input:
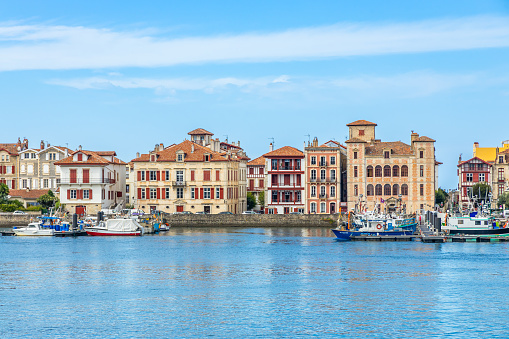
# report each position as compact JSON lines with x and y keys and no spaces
{"x":261,"y":199}
{"x":4,"y":192}
{"x":481,"y":190}
{"x":251,"y":201}
{"x":441,"y":196}
{"x":12,"y":206}
{"x":504,"y":200}
{"x":47,"y":200}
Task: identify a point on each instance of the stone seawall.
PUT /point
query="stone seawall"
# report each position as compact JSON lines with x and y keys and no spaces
{"x":252,"y":220}
{"x":10,"y":220}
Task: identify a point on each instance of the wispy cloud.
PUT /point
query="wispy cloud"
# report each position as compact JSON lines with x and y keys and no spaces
{"x":25,"y":47}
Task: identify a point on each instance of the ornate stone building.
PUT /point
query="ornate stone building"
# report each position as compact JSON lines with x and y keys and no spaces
{"x":392,"y":174}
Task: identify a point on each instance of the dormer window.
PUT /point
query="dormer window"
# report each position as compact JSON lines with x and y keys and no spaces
{"x":207,"y":157}
{"x":80,"y":157}
{"x":501,"y":159}
{"x":387,"y":154}
{"x":180,"y":157}
{"x":27,"y":155}
{"x":153,"y":158}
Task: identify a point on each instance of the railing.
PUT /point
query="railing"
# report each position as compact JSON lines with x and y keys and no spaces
{"x":323,"y":196}
{"x":322,"y":163}
{"x":286,"y":168}
{"x":179,"y":183}
{"x":67,"y":181}
{"x":275,"y":184}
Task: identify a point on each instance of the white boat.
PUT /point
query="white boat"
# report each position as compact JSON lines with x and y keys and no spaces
{"x":33,"y":229}
{"x":116,"y":227}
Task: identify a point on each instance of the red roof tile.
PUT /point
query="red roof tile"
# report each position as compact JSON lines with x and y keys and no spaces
{"x":170,"y":154}
{"x":285,"y":151}
{"x":397,"y":147}
{"x":27,"y":194}
{"x":354,"y":140}
{"x":260,"y":161}
{"x":424,"y":138}
{"x":93,"y":159}
{"x":199,"y":131}
{"x":9,"y":148}
{"x":362,"y":123}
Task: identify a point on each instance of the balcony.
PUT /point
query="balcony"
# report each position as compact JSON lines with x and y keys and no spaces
{"x":500,"y":179}
{"x":67,"y":181}
{"x":323,"y":196}
{"x":322,"y":164}
{"x":286,"y":168}
{"x":179,"y":183}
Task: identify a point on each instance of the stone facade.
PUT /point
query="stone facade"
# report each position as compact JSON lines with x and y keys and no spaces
{"x":9,"y":163}
{"x":394,"y":175}
{"x":256,"y":179}
{"x":500,"y":174}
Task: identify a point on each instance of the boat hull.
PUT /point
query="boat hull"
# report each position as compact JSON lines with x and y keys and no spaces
{"x":39,"y":233}
{"x":493,"y":231}
{"x":346,"y":235}
{"x":110,"y":233}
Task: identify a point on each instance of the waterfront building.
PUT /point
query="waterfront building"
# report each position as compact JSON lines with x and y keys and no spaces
{"x":28,"y":197}
{"x":256,"y":178}
{"x":392,"y":174}
{"x":91,"y":181}
{"x":37,"y":168}
{"x":471,"y":172}
{"x":195,"y":175}
{"x":489,"y":154}
{"x":285,"y":181}
{"x":9,"y":162}
{"x":325,"y":192}
{"x":498,"y":157}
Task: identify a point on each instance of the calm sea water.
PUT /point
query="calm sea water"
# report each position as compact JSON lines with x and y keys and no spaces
{"x":235,"y":283}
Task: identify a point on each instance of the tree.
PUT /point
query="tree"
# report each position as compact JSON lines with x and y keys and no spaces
{"x":504,"y":200}
{"x":261,"y":199}
{"x":4,"y":192}
{"x":251,"y":200}
{"x":481,"y":190}
{"x":47,"y":200}
{"x":441,"y":196}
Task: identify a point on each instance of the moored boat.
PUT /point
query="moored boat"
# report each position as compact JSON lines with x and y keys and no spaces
{"x":116,"y":227}
{"x":33,"y":229}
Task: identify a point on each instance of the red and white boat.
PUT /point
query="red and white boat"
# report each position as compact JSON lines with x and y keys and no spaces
{"x":116,"y":227}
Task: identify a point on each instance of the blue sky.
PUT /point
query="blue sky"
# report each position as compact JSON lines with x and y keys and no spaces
{"x":126,"y":75}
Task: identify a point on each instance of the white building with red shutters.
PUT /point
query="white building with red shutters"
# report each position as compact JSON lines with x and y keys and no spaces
{"x":92,"y":181}
{"x":471,"y":172}
{"x":284,"y":192}
{"x":256,"y":179}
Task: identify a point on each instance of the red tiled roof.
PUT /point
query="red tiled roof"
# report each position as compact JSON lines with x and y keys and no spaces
{"x":106,"y":153}
{"x":27,"y":194}
{"x":199,"y":131}
{"x":170,"y":154}
{"x":230,"y":145}
{"x":10,"y":148}
{"x":260,"y":161}
{"x":397,"y":147}
{"x":477,"y":158}
{"x":93,"y":159}
{"x":362,"y":123}
{"x":284,"y":151}
{"x":354,"y":140}
{"x":424,"y":138}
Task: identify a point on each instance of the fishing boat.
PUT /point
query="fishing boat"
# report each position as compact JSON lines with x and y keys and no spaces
{"x":33,"y":229}
{"x":116,"y":227}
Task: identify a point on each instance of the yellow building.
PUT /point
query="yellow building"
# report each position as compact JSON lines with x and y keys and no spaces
{"x":498,"y":157}
{"x":489,"y":153}
{"x":392,"y":175}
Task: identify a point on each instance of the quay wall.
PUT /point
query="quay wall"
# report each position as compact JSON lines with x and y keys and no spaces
{"x":10,"y":220}
{"x":253,"y":220}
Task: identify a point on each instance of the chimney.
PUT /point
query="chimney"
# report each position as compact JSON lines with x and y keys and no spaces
{"x":42,"y":144}
{"x":79,"y":147}
{"x":192,"y":148}
{"x":238,"y":143}
{"x":304,"y":146}
{"x":476,"y":144}
{"x":161,"y":146}
{"x":271,"y":147}
{"x":137,"y":154}
{"x":48,"y":145}
{"x":156,"y":148}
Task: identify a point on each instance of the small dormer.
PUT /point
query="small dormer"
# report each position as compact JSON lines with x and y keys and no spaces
{"x":387,"y":153}
{"x":80,"y":156}
{"x":180,"y":156}
{"x":207,"y":157}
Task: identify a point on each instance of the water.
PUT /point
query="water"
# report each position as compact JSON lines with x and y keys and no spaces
{"x":234,"y":283}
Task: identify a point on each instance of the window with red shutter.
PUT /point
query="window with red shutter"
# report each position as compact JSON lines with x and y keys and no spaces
{"x":86,"y":176}
{"x":162,"y":176}
{"x":221,"y":193}
{"x":147,"y":175}
{"x":206,"y":175}
{"x":73,"y":176}
{"x":139,"y":193}
{"x":217,"y":176}
{"x":139,"y":175}
{"x":147,"y":193}
{"x":90,"y":194}
{"x":80,"y":157}
{"x":158,"y":192}
{"x":13,"y":169}
{"x":68,"y":194}
{"x":261,"y":184}
{"x":201,"y":193}
{"x":192,"y":175}
{"x":158,"y":177}
{"x":212,"y":193}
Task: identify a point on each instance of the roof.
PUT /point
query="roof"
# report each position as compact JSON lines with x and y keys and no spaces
{"x":9,"y":148}
{"x":200,"y":131}
{"x":397,"y":147}
{"x":438,"y":163}
{"x":170,"y":154}
{"x":284,"y":151}
{"x":106,"y":153}
{"x":362,"y":123}
{"x":230,"y":145}
{"x":94,"y":159}
{"x":354,"y":140}
{"x":27,"y":193}
{"x":260,"y":161}
{"x":424,"y":138}
{"x":474,"y":158}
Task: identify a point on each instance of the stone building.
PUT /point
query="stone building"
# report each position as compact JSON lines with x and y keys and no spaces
{"x":392,"y":174}
{"x":193,"y":176}
{"x":91,"y":181}
{"x":256,"y":178}
{"x":324,"y":164}
{"x":9,"y":163}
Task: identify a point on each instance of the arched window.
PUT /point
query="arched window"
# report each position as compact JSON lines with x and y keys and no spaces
{"x":370,"y":190}
{"x":395,"y":189}
{"x":387,"y":189}
{"x":395,"y":171}
{"x":378,"y":171}
{"x":378,"y":189}
{"x":387,"y":171}
{"x":404,"y":171}
{"x":404,"y":189}
{"x":369,"y":170}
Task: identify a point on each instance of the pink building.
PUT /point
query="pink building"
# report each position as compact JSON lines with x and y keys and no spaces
{"x":256,"y":178}
{"x":471,"y":172}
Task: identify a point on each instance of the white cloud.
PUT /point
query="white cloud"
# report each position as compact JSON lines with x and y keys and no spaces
{"x":25,"y":47}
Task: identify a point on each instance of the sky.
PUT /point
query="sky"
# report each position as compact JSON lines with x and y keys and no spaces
{"x":126,"y":75}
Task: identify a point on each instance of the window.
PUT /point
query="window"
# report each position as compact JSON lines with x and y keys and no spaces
{"x":142,"y":175}
{"x":274,"y":196}
{"x":501,"y":159}
{"x":322,"y":207}
{"x":27,"y":155}
{"x":274,"y":164}
{"x":404,"y":189}
{"x":370,"y":190}
{"x":80,"y":156}
{"x":72,"y":194}
{"x":404,"y":171}
{"x":361,"y":132}
{"x":500,"y":174}
{"x":260,"y":172}
{"x":313,"y":160}
{"x":24,"y":183}
{"x":33,"y":156}
{"x":207,"y":157}
{"x":298,"y":196}
{"x":167,"y":193}
{"x":45,"y":183}
{"x":152,"y":176}
{"x":378,"y":189}
{"x":206,"y":175}
{"x":322,"y":191}
{"x":333,"y":191}
{"x":421,"y":154}
{"x":180,"y":193}
{"x":45,"y":169}
{"x":322,"y":161}
{"x":470,"y":177}
{"x":153,"y":193}
{"x":378,"y":171}
{"x":355,"y":155}
{"x":52,"y":156}
{"x":355,"y":190}
{"x":333,"y":175}
{"x":395,"y":171}
{"x":180,"y":176}
{"x":313,"y":207}
{"x":480,"y":167}
{"x":395,"y":189}
{"x":355,"y":171}
{"x":313,"y":191}
{"x":421,"y":170}
{"x":313,"y":175}
{"x":322,"y":175}
{"x":30,"y":168}
{"x":369,"y":171}
{"x":218,"y":195}
{"x":86,"y":194}
{"x":333,"y":160}
{"x":180,"y":157}
{"x":500,"y":189}
{"x":127,"y":188}
{"x":387,"y":189}
{"x":167,"y":175}
{"x":386,"y":154}
{"x":192,"y":192}
{"x":141,"y":197}
{"x":387,"y":171}
{"x":206,"y":193}
{"x":482,"y":177}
